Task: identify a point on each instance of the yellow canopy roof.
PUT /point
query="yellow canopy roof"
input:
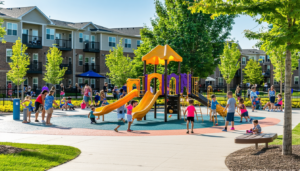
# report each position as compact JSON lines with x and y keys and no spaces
{"x":159,"y":54}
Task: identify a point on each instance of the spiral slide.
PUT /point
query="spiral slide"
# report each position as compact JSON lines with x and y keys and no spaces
{"x":145,"y":105}
{"x":106,"y":109}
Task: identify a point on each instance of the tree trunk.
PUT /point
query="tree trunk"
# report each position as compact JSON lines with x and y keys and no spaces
{"x":18,"y":90}
{"x":280,"y":87}
{"x":287,"y":126}
{"x":22,"y":98}
{"x":228,"y":87}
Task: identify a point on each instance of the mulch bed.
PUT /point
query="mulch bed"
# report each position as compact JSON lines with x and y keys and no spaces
{"x":263,"y":159}
{"x":4,"y":149}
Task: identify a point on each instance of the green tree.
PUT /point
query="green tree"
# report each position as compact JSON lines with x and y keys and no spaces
{"x":229,"y":62}
{"x":19,"y":64}
{"x":120,"y":67}
{"x":284,"y":16}
{"x":54,"y":73}
{"x":197,"y":38}
{"x":253,"y":72}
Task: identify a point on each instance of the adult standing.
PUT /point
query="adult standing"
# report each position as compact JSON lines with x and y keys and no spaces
{"x":124,"y":88}
{"x":87,"y":94}
{"x":39,"y":103}
{"x":49,"y":100}
{"x":266,"y":86}
{"x":238,"y":92}
{"x":29,"y":90}
{"x":272,"y":94}
{"x":105,"y":88}
{"x":115,"y":92}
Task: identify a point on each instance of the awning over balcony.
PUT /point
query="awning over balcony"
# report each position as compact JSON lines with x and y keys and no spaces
{"x":90,"y":74}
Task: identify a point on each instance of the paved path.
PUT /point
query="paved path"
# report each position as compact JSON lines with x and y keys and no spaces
{"x":180,"y":152}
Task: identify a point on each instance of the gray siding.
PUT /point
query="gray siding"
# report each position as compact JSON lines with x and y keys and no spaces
{"x":35,"y":16}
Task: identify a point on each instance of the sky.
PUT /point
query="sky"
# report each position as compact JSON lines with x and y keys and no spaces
{"x":119,"y":13}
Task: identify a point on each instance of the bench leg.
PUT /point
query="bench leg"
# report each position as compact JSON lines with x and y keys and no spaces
{"x":256,"y":145}
{"x":266,"y":145}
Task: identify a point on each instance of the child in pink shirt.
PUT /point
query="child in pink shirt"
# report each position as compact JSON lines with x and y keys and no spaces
{"x":129,"y":113}
{"x":191,"y":111}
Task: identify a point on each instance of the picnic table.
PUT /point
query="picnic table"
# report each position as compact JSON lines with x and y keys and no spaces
{"x":250,"y":138}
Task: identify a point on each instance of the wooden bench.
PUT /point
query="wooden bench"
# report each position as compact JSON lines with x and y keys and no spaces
{"x":256,"y":138}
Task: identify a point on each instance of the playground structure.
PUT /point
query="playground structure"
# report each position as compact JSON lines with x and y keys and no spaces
{"x":160,"y":55}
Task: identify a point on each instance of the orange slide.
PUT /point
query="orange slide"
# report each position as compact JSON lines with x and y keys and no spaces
{"x":106,"y":109}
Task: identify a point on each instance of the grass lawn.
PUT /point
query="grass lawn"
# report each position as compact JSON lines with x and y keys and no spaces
{"x":296,"y":137}
{"x":36,"y":157}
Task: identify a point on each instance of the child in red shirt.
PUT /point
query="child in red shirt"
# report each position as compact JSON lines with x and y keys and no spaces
{"x":190,"y":115}
{"x":129,"y":113}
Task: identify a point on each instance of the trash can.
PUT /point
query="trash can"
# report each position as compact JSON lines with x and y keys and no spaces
{"x":16,"y":109}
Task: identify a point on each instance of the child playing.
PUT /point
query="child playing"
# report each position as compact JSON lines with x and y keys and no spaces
{"x":70,"y":105}
{"x":253,"y":97}
{"x":121,"y":116}
{"x":190,"y":116}
{"x":214,"y":103}
{"x":278,"y":105}
{"x":256,"y":128}
{"x":231,"y":105}
{"x":63,"y":104}
{"x":92,"y":116}
{"x":244,"y":112}
{"x":104,"y":103}
{"x":258,"y":104}
{"x":129,"y":112}
{"x":83,"y":104}
{"x":27,"y":103}
{"x":97,"y":98}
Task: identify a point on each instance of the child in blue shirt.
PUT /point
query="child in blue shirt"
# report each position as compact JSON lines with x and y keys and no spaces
{"x":92,"y":116}
{"x":214,"y":103}
{"x":97,"y":99}
{"x":258,"y":104}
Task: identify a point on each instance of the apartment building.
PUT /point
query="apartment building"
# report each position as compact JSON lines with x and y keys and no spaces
{"x":84,"y":45}
{"x":267,"y":70}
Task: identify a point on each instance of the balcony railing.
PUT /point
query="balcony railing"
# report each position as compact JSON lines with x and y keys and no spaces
{"x":34,"y":42}
{"x":266,"y":73}
{"x":64,"y":45}
{"x":35,"y":68}
{"x":94,"y":68}
{"x":91,"y":46}
{"x":68,"y":66}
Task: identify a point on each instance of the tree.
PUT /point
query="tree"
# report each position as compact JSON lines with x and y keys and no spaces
{"x":253,"y":72}
{"x":277,"y":57}
{"x":229,"y":62}
{"x":120,"y":67}
{"x":197,"y":38}
{"x":19,"y":64}
{"x":283,"y":15}
{"x":54,"y":73}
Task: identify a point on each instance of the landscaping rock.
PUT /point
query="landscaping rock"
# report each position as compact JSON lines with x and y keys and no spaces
{"x":263,"y":159}
{"x":9,"y":150}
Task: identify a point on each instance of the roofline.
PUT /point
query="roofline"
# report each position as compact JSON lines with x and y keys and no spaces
{"x":89,"y":24}
{"x":116,"y":34}
{"x":10,"y":18}
{"x":32,"y":10}
{"x":53,"y":25}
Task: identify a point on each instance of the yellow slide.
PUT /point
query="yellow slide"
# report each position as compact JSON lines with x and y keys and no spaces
{"x":145,"y":105}
{"x":221,"y":111}
{"x":106,"y":109}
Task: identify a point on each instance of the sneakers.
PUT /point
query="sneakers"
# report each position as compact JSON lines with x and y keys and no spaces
{"x":187,"y":132}
{"x":241,"y":121}
{"x":268,"y":110}
{"x":129,"y":130}
{"x":250,"y":120}
{"x":43,"y":122}
{"x":232,"y":128}
{"x":224,"y":130}
{"x":36,"y":121}
{"x":192,"y":132}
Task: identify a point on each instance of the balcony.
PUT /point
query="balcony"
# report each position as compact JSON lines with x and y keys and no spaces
{"x":35,"y":68}
{"x":68,"y":66}
{"x":64,"y":45}
{"x":266,"y":73}
{"x":33,"y":42}
{"x":91,"y":47}
{"x":95,"y":68}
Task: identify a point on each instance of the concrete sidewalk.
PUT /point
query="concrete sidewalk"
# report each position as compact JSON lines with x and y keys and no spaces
{"x":187,"y":152}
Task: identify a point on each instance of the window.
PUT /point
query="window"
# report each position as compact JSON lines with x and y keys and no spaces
{"x":112,"y":41}
{"x":268,"y":58}
{"x":268,"y":80}
{"x":93,"y":83}
{"x":252,"y":57}
{"x":70,"y":61}
{"x":70,"y":81}
{"x":26,"y":81}
{"x":243,"y":60}
{"x":25,"y":31}
{"x":86,"y":61}
{"x":268,"y":67}
{"x":80,"y":37}
{"x":35,"y":82}
{"x":70,"y":37}
{"x":80,"y":81}
{"x":12,"y":29}
{"x":80,"y":58}
{"x":275,"y":82}
{"x":138,"y":43}
{"x":93,"y":62}
{"x":220,"y":81}
{"x":86,"y":81}
{"x":220,"y":74}
{"x":127,"y":43}
{"x":35,"y":57}
{"x":296,"y":79}
{"x":92,"y":38}
{"x":261,"y":59}
{"x":50,"y":34}
{"x":57,"y":36}
{"x":9,"y":53}
{"x":35,"y":33}
{"x":86,"y":38}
